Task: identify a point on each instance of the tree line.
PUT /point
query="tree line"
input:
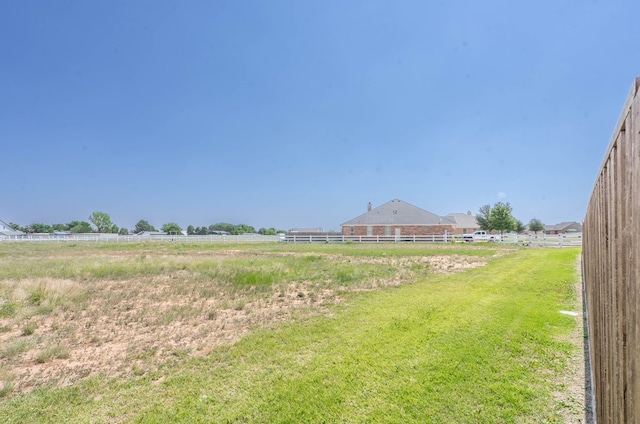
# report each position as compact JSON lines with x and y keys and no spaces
{"x":499,"y":217}
{"x":100,"y":222}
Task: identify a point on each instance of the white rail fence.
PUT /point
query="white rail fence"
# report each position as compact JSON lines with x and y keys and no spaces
{"x":115,"y":238}
{"x":572,"y":239}
{"x":562,"y":240}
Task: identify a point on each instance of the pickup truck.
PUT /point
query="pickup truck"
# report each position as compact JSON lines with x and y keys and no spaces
{"x":481,"y":236}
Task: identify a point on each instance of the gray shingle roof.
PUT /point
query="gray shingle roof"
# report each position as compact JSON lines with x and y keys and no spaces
{"x":398,"y":212}
{"x":306,"y":230}
{"x":464,"y":220}
{"x":563,"y":226}
{"x":6,"y":230}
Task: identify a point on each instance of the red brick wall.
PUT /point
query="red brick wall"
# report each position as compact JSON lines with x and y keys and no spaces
{"x":405,"y":230}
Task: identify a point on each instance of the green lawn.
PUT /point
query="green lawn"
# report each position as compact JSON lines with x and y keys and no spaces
{"x":486,"y":345}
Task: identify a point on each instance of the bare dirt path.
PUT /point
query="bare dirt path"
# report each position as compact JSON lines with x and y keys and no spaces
{"x":573,"y":394}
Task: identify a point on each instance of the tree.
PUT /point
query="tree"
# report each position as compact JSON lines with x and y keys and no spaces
{"x":501,"y":218}
{"x":79,"y":227}
{"x":222,"y":226}
{"x":536,"y":225}
{"x":191,"y":230}
{"x":143,"y":226}
{"x":123,"y":231}
{"x":171,"y":228}
{"x":59,"y":227}
{"x":17,"y":227}
{"x":244,"y":228}
{"x":231,"y":229}
{"x":101,"y":221}
{"x":267,"y":231}
{"x":484,"y":218}
{"x":519,"y":226}
{"x":37,"y":227}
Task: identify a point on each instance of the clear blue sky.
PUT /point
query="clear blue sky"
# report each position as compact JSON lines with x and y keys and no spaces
{"x":298,"y":113}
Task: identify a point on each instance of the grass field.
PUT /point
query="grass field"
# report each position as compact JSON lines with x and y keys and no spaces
{"x":287,"y":333}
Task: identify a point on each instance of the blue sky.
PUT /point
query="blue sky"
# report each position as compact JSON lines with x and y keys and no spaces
{"x":298,"y":113}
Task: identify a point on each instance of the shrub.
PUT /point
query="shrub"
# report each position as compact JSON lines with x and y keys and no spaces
{"x":36,"y":295}
{"x":7,"y":309}
{"x":28,"y":329}
{"x":6,"y":390}
{"x":14,"y":349}
{"x":57,"y":351}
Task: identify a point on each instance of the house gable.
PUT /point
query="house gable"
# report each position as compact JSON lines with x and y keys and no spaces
{"x":563,"y":227}
{"x":6,"y":230}
{"x":464,"y":220}
{"x":398,"y":212}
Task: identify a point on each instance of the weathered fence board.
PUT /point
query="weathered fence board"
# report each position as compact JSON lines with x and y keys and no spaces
{"x":611,"y":253}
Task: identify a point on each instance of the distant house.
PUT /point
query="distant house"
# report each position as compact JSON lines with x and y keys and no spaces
{"x":151,"y":233}
{"x":396,"y":218}
{"x":6,"y":230}
{"x":563,"y":227}
{"x":465,"y":222}
{"x":308,"y":230}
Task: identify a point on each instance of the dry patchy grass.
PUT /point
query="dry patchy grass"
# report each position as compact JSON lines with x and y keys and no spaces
{"x":70,"y":313}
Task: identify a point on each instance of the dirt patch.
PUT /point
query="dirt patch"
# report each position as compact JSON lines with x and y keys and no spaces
{"x":68,"y":330}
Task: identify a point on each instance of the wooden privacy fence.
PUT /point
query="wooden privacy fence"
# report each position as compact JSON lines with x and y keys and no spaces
{"x":611,"y":272}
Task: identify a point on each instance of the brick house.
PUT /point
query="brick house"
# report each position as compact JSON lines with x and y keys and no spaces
{"x":396,"y":218}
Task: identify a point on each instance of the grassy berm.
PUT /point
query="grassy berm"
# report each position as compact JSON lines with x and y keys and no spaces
{"x":288,"y":334}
